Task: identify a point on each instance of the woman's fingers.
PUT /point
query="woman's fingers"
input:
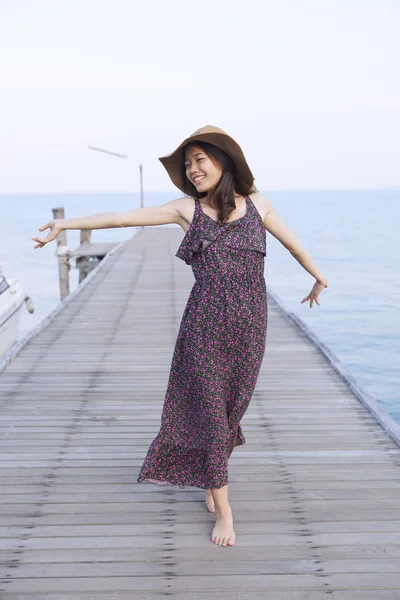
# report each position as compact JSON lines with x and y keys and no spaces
{"x":40,"y":243}
{"x":43,"y":242}
{"x":53,"y":233}
{"x":313,"y":295}
{"x":312,"y":298}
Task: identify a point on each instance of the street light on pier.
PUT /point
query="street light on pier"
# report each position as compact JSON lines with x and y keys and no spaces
{"x":125,"y":156}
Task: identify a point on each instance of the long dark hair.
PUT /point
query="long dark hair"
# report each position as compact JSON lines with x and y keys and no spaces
{"x":223,"y":196}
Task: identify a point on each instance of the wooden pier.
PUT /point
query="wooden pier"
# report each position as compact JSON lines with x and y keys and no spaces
{"x":315,"y":491}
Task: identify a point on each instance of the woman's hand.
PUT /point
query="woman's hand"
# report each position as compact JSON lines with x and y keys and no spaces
{"x":55,"y":228}
{"x":315,"y":292}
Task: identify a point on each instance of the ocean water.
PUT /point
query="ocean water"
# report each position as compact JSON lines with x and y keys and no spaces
{"x":352,"y":236}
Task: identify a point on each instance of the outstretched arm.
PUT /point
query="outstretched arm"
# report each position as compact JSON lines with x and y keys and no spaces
{"x":170,"y":212}
{"x":274,"y":224}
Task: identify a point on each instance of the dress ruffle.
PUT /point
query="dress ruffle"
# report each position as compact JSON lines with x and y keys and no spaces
{"x":198,"y":238}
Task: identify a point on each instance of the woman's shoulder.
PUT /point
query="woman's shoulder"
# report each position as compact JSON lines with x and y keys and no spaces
{"x":186,"y":206}
{"x":261,"y":202}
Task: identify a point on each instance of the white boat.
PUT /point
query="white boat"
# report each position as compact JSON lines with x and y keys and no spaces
{"x":12,"y":300}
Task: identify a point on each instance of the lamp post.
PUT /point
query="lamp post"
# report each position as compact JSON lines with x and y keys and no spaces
{"x":125,"y":156}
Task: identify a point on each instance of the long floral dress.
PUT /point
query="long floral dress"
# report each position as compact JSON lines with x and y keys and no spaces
{"x":217,"y":355}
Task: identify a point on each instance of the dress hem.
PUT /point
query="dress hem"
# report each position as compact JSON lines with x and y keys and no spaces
{"x":160,"y":483}
{"x":166,"y":483}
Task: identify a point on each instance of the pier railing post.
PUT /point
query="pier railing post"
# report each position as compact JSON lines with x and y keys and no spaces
{"x":63,"y":256}
{"x":82,"y":263}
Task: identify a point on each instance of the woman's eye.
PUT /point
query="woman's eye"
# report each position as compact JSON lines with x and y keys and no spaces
{"x":198,"y":160}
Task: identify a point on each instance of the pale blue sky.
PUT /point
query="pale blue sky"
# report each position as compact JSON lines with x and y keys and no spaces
{"x":310,"y":89}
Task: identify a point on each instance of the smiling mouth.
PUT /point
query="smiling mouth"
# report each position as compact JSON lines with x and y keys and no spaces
{"x":197,"y":180}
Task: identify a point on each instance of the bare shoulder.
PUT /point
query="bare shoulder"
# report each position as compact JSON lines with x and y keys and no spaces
{"x":185,"y":206}
{"x":262,"y":204}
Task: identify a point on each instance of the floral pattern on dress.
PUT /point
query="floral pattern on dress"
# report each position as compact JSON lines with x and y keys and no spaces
{"x":218,"y":352}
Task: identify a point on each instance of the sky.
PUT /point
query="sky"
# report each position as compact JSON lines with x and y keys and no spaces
{"x":310,"y":89}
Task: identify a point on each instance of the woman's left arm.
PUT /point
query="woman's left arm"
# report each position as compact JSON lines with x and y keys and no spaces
{"x":274,"y":224}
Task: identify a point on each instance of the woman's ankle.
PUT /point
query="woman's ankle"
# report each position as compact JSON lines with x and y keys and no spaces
{"x":223,"y":511}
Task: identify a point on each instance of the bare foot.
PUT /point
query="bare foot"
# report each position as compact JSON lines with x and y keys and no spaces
{"x":210,"y":502}
{"x":223,"y":534}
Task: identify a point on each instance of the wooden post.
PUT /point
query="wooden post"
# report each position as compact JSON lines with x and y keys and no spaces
{"x":62,"y":253}
{"x":86,"y":235}
{"x":81,"y":263}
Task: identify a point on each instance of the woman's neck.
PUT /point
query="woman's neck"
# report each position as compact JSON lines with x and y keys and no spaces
{"x":209,"y":198}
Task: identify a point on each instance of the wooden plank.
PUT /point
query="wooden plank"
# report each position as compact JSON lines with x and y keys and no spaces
{"x":117,"y":555}
{"x":171,"y":583}
{"x":326,"y":489}
{"x":231,"y":595}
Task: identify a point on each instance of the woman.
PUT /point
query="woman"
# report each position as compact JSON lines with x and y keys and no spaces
{"x":221,"y":340}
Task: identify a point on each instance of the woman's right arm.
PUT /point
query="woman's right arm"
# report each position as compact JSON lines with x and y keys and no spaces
{"x":170,"y":212}
{"x":174,"y":211}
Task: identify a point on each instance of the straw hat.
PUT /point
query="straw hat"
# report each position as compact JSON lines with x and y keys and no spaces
{"x":213,"y":135}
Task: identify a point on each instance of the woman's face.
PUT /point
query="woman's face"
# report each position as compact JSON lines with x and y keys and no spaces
{"x":201,"y":171}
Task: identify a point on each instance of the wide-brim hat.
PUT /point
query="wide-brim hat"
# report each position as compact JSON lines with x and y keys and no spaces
{"x":213,"y":135}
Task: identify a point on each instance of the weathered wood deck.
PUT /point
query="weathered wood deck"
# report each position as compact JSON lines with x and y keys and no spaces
{"x":315,"y":491}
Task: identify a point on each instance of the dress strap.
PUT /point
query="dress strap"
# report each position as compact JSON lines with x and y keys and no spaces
{"x":196,"y":207}
{"x":195,"y":213}
{"x":252,"y":208}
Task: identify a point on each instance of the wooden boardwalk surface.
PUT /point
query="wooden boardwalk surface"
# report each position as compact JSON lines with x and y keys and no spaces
{"x":315,"y":491}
